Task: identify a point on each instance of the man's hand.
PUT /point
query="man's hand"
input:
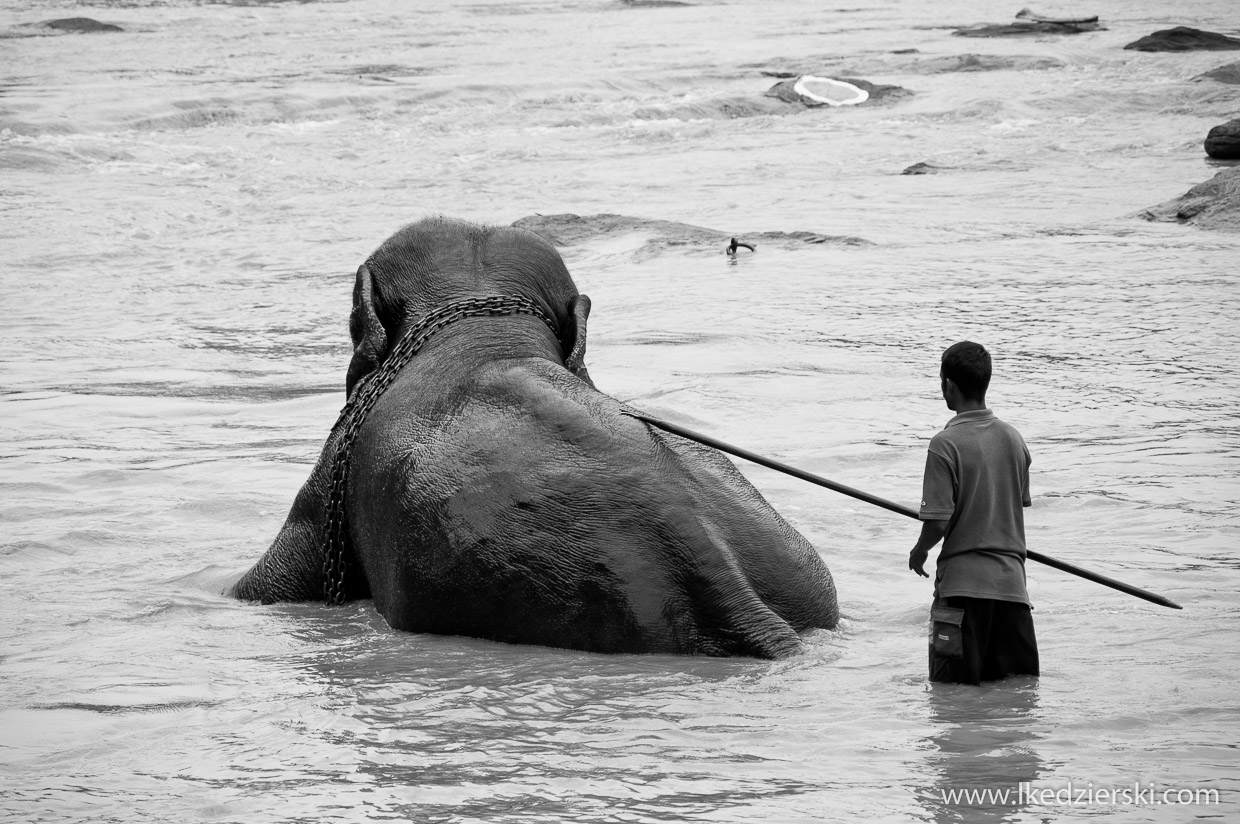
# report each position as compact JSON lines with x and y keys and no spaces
{"x":917,"y":561}
{"x":931,"y":533}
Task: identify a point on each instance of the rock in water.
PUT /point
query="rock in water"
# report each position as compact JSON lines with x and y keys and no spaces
{"x":1030,"y":22}
{"x":1030,"y":14}
{"x":1182,"y":38}
{"x":80,"y":24}
{"x":792,"y":90}
{"x":1214,"y":204}
{"x":1223,"y":142}
{"x":1229,"y":73}
{"x":658,"y":236}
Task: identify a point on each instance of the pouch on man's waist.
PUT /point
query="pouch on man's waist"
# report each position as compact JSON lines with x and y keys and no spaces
{"x":946,"y":635}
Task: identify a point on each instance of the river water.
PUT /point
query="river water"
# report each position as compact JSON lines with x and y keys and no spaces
{"x":185,"y":202}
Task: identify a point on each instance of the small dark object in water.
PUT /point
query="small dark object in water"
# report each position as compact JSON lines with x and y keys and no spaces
{"x":1183,"y":38}
{"x":1223,"y":141}
{"x":80,"y":24}
{"x":922,"y":168}
{"x":736,"y":244}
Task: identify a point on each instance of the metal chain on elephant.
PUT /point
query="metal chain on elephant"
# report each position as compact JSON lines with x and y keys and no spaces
{"x":353,"y":415}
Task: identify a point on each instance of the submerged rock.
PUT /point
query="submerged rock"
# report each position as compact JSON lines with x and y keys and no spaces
{"x":1183,"y":38}
{"x":1223,"y":141}
{"x":570,"y":230}
{"x":79,"y":24}
{"x":984,"y":63}
{"x":1022,"y":28}
{"x":1030,"y":14}
{"x":786,"y":90}
{"x":1229,"y":73}
{"x":922,"y":168}
{"x":906,"y":61}
{"x":1030,"y":22}
{"x":62,"y":25}
{"x":1214,"y":204}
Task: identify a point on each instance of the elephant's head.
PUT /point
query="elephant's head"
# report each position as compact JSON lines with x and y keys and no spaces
{"x":435,"y":262}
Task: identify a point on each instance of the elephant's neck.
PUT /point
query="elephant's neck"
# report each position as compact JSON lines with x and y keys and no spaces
{"x":476,"y":340}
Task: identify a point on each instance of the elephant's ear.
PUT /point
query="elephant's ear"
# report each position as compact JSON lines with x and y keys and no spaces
{"x":369,"y":337}
{"x":575,"y":340}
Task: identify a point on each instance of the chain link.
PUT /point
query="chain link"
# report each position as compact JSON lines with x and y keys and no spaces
{"x":365,"y":395}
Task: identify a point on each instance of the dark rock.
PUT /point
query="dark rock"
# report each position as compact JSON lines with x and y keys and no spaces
{"x":922,"y":168}
{"x":878,"y":92}
{"x":79,"y":24}
{"x":786,"y":91}
{"x":570,"y":230}
{"x":1022,"y":28}
{"x":1030,"y":14}
{"x":1223,"y":142}
{"x":1214,"y":204}
{"x":1182,"y":38}
{"x":1229,"y":73}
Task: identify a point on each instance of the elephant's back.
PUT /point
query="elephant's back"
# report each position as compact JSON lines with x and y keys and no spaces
{"x":533,"y":510}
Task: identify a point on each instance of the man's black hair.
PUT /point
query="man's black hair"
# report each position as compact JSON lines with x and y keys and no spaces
{"x":967,"y":364}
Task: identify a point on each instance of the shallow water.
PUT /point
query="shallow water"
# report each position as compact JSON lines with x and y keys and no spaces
{"x":184,"y":205}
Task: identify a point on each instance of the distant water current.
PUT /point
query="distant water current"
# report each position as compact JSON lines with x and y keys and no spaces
{"x":183,"y":205}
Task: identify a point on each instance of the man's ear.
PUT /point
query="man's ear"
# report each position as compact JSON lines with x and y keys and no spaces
{"x":575,"y":338}
{"x":370,"y":342}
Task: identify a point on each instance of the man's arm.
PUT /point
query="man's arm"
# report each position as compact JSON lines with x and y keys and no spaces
{"x":931,"y":533}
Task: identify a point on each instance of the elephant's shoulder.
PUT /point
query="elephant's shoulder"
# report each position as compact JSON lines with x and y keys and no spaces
{"x":546,"y":396}
{"x":537,"y":383}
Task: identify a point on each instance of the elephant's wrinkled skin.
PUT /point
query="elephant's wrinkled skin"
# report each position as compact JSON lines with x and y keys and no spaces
{"x":494,"y":492}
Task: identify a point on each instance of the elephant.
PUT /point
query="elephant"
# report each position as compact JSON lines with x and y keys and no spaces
{"x":478,"y":483}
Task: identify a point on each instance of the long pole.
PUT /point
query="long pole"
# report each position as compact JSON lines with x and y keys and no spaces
{"x":885,"y":504}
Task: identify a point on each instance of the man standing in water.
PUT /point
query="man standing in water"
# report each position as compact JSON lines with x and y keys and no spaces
{"x":975,"y":488}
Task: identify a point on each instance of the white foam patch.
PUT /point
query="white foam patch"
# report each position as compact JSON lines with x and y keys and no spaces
{"x":830,"y":92}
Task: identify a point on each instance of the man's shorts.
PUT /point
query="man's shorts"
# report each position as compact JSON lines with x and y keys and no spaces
{"x":980,"y":639}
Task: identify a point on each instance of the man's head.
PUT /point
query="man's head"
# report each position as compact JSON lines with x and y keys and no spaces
{"x":967,"y":365}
